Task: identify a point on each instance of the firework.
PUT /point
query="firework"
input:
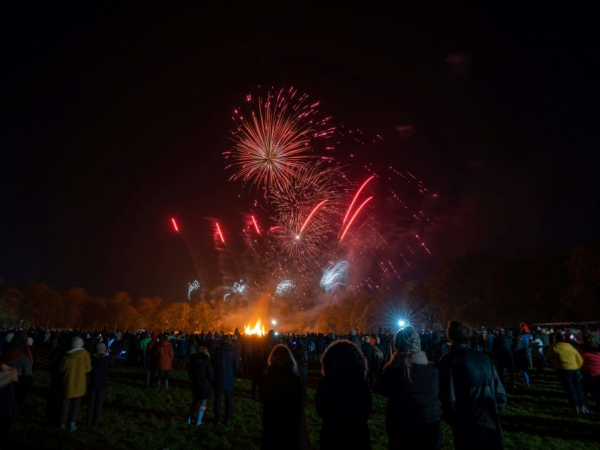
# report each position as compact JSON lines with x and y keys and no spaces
{"x":220,"y":234}
{"x":353,"y":217}
{"x":175,"y":225}
{"x":356,"y":196}
{"x":195,"y":286}
{"x":240,"y":287}
{"x":285,"y":287}
{"x":256,"y":225}
{"x":274,"y":142}
{"x":334,"y":275}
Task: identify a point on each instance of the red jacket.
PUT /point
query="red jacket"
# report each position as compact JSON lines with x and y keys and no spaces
{"x":591,"y":361}
{"x":163,"y":352}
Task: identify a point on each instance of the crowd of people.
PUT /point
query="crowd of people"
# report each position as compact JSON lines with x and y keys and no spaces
{"x":462,"y":369}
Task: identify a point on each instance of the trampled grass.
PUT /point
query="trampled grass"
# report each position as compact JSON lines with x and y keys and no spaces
{"x":137,"y":418}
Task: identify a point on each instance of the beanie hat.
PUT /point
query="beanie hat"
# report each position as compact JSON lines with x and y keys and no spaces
{"x":77,"y":342}
{"x":408,"y":341}
{"x":100,"y":348}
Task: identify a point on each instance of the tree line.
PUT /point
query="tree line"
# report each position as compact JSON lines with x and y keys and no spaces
{"x":483,"y":290}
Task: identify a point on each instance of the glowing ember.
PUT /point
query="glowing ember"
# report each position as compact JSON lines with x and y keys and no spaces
{"x":258,"y":329}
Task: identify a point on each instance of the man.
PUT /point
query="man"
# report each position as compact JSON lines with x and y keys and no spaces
{"x":471,"y":392}
{"x":227,"y":363}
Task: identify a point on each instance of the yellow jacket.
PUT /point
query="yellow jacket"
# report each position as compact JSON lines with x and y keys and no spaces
{"x":564,"y":356}
{"x":74,"y":367}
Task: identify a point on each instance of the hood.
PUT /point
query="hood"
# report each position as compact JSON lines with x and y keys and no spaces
{"x":164,"y":344}
{"x":77,"y":354}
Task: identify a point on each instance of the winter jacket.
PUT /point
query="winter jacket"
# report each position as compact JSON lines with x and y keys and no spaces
{"x":19,"y":360}
{"x":181,"y":348}
{"x":281,"y":397}
{"x":471,"y":394}
{"x":202,"y":376}
{"x":74,"y":367}
{"x":144,"y":343}
{"x":563,"y":356}
{"x":410,"y":403}
{"x":99,"y":375}
{"x":591,"y":361}
{"x":163,"y":355}
{"x":344,"y":402}
{"x":227,"y":363}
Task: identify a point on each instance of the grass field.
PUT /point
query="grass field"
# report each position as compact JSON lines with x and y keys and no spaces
{"x":137,"y":418}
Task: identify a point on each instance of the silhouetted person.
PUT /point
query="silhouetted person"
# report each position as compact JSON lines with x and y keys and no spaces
{"x":343,"y":399}
{"x":281,"y":395}
{"x":227,"y":363}
{"x":412,"y":417}
{"x":471,"y":392}
{"x":202,"y":376}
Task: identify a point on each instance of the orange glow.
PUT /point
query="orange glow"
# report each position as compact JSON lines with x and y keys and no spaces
{"x":258,"y":329}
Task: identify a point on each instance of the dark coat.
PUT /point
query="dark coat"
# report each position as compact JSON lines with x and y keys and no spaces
{"x":227,"y":363}
{"x":471,"y":394}
{"x":99,"y":375}
{"x":202,"y":376}
{"x":281,"y":397}
{"x":344,"y":403}
{"x":411,"y":405}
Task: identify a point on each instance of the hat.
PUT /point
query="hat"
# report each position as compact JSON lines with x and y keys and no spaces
{"x":352,"y":332}
{"x":408,"y":340}
{"x":100,"y":348}
{"x":77,"y":342}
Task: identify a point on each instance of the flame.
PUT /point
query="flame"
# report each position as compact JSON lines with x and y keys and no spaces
{"x":258,"y":329}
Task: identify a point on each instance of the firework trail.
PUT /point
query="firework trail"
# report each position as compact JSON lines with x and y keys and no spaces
{"x":354,"y":216}
{"x":334,"y":275}
{"x":194,"y":253}
{"x":274,"y":142}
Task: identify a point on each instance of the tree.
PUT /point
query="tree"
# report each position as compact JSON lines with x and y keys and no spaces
{"x":10,"y":303}
{"x":202,"y":316}
{"x":583,"y":294}
{"x":74,"y":301}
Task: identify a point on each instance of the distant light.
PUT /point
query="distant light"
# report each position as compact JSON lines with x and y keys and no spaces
{"x":401,"y":323}
{"x":276,"y":333}
{"x":297,"y":237}
{"x":274,"y":322}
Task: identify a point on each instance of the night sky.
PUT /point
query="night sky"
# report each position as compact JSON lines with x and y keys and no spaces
{"x":114,"y":118}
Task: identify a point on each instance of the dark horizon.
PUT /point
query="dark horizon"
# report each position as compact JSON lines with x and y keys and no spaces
{"x":114,"y":120}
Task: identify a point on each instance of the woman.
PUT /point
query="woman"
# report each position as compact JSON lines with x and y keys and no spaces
{"x":201,"y":374}
{"x":567,"y":362}
{"x":590,"y":352}
{"x":164,"y":355}
{"x":281,"y":395}
{"x":412,"y":418}
{"x":343,"y":398}
{"x":101,"y":362}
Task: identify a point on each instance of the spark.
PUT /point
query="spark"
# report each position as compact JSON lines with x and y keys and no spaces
{"x":356,"y":196}
{"x":240,"y":287}
{"x":354,"y":216}
{"x":311,"y":214}
{"x":174,"y":224}
{"x":220,"y":234}
{"x":256,"y":225}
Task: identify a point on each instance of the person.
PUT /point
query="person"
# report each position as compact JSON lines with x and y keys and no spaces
{"x":227,"y":363}
{"x":74,"y":367}
{"x":470,"y":392}
{"x":537,"y":353}
{"x":143,"y":344}
{"x":343,"y":398}
{"x":590,"y":352}
{"x":502,"y":348}
{"x":163,"y":357}
{"x":281,"y":394}
{"x":521,"y":359}
{"x":301,"y":357}
{"x":412,"y":417}
{"x":201,"y":374}
{"x":101,"y":362}
{"x":8,"y":404}
{"x":19,"y":358}
{"x":151,"y":359}
{"x":567,"y":361}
